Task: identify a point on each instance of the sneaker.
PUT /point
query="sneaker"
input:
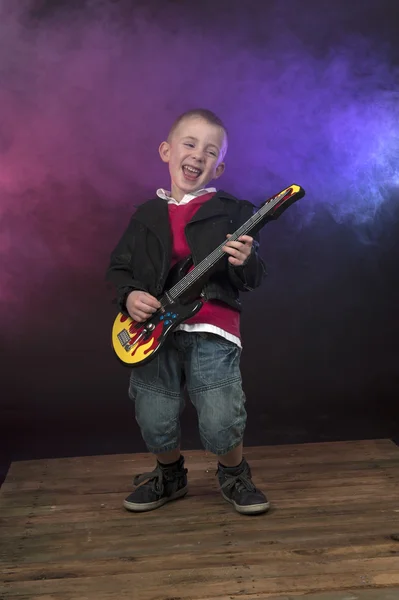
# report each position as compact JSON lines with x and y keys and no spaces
{"x":163,"y":484}
{"x":237,"y":488}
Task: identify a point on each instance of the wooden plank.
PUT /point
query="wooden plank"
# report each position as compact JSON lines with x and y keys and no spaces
{"x":65,"y":535}
{"x":320,"y":453}
{"x":245,"y":581}
{"x":352,"y":594}
{"x":128,"y":560}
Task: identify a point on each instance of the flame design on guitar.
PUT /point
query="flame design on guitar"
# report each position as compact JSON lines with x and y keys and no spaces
{"x":137,"y":343}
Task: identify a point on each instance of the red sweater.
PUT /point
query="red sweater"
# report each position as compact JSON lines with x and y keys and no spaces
{"x":212,"y":312}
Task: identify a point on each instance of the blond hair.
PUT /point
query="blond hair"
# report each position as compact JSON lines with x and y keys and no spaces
{"x":208,"y":116}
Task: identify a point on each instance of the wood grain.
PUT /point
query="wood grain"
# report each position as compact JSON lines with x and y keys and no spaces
{"x":332,"y":533}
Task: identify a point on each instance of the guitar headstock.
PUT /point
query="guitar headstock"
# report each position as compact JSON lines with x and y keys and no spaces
{"x":277,"y":204}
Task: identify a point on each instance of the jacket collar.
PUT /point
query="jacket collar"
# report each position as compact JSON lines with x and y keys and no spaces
{"x":215,"y":207}
{"x":154,"y":213}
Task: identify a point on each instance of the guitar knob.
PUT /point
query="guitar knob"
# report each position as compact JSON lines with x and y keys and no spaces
{"x":150,"y":327}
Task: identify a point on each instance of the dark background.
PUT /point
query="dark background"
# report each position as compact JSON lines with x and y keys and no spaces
{"x":309,"y":91}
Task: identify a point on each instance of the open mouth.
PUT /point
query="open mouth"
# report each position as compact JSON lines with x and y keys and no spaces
{"x":191,"y":173}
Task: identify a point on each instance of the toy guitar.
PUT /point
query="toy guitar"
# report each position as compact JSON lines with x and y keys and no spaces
{"x":137,"y":343}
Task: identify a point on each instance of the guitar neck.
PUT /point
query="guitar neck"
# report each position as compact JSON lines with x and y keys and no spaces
{"x":270,"y":209}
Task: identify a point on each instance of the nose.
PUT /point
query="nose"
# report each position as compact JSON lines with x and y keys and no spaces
{"x":198,"y":155}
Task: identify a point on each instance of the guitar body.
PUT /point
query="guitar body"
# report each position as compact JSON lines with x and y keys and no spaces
{"x":135,"y":344}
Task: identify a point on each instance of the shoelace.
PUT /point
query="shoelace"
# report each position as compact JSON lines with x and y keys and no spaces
{"x":156,"y":476}
{"x":242,"y":481}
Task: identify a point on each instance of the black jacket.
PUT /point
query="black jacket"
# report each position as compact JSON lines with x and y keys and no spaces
{"x":142,"y":258}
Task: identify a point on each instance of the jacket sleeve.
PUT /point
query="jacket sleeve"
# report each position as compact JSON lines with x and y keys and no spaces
{"x":119,"y":272}
{"x":250,"y":275}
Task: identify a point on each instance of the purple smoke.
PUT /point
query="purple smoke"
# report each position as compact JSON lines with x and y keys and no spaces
{"x":88,"y":94}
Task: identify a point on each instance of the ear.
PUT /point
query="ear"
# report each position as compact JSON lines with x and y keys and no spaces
{"x":219,"y":170}
{"x":164,"y":151}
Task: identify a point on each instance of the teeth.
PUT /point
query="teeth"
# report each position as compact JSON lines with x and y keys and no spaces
{"x":192,"y":169}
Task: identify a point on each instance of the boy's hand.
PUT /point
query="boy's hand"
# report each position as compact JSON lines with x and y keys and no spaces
{"x":141,"y":305}
{"x":239,"y":250}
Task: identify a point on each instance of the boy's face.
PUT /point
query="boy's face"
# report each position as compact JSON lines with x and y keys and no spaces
{"x":195,"y":153}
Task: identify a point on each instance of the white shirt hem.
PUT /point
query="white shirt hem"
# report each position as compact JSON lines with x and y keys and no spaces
{"x":207,"y":328}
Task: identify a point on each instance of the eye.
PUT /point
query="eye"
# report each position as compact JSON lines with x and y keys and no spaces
{"x":213,"y":153}
{"x":189,"y":144}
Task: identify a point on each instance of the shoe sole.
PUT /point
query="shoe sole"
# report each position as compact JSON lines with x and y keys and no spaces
{"x":135,"y":507}
{"x":252,"y":509}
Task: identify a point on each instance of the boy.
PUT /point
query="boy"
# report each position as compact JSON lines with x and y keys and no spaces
{"x":204,"y":352}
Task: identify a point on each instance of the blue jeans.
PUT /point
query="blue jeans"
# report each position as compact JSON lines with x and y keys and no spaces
{"x":209,"y":367}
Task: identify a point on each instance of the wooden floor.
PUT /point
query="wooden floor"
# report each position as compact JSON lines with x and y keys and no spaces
{"x":333,"y":532}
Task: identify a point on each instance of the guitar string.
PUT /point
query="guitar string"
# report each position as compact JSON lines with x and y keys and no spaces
{"x":212,"y":259}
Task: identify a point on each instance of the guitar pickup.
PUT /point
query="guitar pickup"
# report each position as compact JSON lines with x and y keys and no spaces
{"x":124,"y":339}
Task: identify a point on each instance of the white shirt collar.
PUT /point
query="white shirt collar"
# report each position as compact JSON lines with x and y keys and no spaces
{"x":165,"y":195}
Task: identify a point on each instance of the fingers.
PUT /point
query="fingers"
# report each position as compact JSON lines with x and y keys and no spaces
{"x":238,"y":250}
{"x":236,"y":262}
{"x":234,"y":253}
{"x":149,"y":301}
{"x":141,"y":305}
{"x":244,"y":240}
{"x":144,"y":309}
{"x":139,"y":316}
{"x":240,"y":255}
